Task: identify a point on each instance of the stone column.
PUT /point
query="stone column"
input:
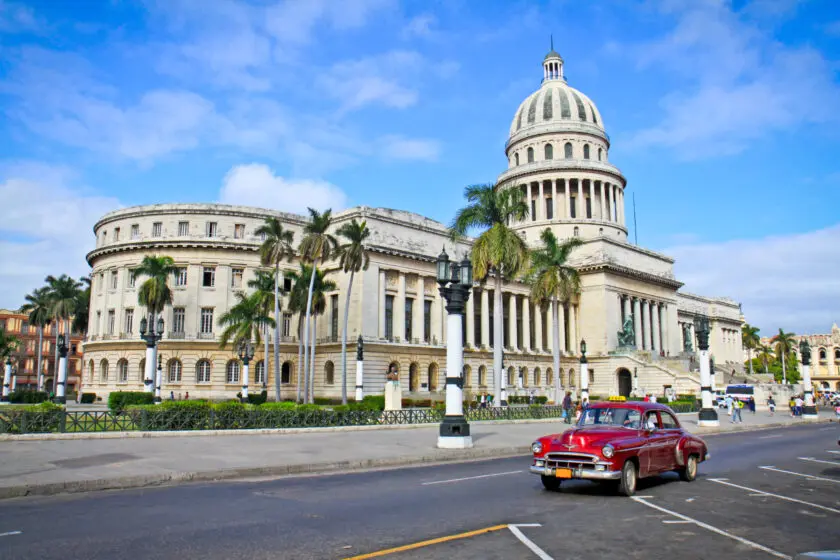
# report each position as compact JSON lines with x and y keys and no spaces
{"x":581,"y":204}
{"x":555,"y":194}
{"x":621,"y":207}
{"x":485,"y":318}
{"x":470,"y":312}
{"x":615,"y":203}
{"x":664,"y":318}
{"x":381,"y":303}
{"x":561,"y":320}
{"x":627,"y":309}
{"x":656,"y":342}
{"x":637,"y":321}
{"x":601,"y":198}
{"x":526,"y":324}
{"x":399,"y":308}
{"x":538,"y":331}
{"x":540,"y":202}
{"x":512,"y":322}
{"x":646,"y":330}
{"x":592,"y":198}
{"x":567,"y":190}
{"x":573,"y":334}
{"x":418,"y":324}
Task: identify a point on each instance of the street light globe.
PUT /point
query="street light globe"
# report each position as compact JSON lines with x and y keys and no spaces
{"x":443,"y":267}
{"x":466,"y":272}
{"x":160,"y":325}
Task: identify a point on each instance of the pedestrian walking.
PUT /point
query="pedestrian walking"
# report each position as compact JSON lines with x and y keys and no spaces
{"x":752,"y":404}
{"x":771,"y":404}
{"x":171,"y":395}
{"x":187,"y":397}
{"x":799,"y":403}
{"x":729,"y":408}
{"x":567,"y":407}
{"x":739,"y":405}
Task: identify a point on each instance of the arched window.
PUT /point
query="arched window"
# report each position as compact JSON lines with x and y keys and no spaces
{"x":837,"y":353}
{"x":467,"y":374}
{"x":567,"y":150}
{"x":549,"y":151}
{"x":511,"y":373}
{"x":202,"y":371}
{"x":549,"y":376}
{"x":572,"y":378}
{"x":822,"y":354}
{"x":413,"y":377}
{"x":286,"y":373}
{"x":586,"y":151}
{"x":577,"y":231}
{"x":433,"y":374}
{"x":232,"y":372}
{"x":91,"y":372}
{"x":523,"y":376}
{"x":103,"y":370}
{"x":259,"y":373}
{"x":482,"y":376}
{"x":141,"y":375}
{"x":592,"y":376}
{"x":329,"y":373}
{"x":530,"y":155}
{"x":122,"y":370}
{"x":537,"y":377}
{"x":600,"y":152}
{"x":516,"y":158}
{"x":174,"y":371}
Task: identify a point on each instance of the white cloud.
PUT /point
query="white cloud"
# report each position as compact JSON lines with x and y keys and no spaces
{"x":420,"y":26}
{"x":17,"y":18}
{"x":256,"y":184}
{"x":47,"y":227}
{"x":738,"y":84}
{"x":398,"y":147}
{"x":790,"y":281}
{"x":375,"y":80}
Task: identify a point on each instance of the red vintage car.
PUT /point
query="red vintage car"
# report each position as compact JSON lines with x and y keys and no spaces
{"x":621,"y":443}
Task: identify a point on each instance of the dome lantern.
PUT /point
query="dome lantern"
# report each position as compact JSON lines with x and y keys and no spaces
{"x":553,"y":65}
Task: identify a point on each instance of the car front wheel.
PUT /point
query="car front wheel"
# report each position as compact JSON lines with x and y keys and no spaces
{"x":550,"y":482}
{"x":629,"y":477}
{"x":689,"y":472}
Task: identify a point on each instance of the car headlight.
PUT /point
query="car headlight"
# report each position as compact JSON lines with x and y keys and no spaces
{"x":608,"y":451}
{"x":536,"y":447}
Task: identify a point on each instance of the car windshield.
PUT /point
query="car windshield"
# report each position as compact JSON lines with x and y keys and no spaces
{"x":623,"y":417}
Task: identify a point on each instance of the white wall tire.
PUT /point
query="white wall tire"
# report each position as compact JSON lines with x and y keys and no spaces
{"x":689,"y":472}
{"x":629,"y":478}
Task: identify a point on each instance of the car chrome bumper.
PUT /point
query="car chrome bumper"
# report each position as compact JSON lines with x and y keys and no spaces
{"x":588,"y":474}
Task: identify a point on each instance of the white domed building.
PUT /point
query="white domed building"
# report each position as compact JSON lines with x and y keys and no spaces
{"x":557,"y":154}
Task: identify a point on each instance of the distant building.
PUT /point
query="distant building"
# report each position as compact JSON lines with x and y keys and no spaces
{"x":825,"y":357}
{"x":25,"y":357}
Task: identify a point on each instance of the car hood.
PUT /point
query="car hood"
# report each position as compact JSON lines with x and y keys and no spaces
{"x":593,"y":436}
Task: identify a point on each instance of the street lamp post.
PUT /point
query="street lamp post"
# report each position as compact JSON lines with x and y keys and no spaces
{"x":712,"y":372}
{"x":360,"y":369}
{"x":809,"y":411}
{"x":708,"y":415}
{"x":455,"y":284}
{"x":159,"y":378}
{"x":246,"y":354}
{"x":60,"y":386}
{"x":151,"y":338}
{"x":584,"y":373}
{"x":7,"y":379}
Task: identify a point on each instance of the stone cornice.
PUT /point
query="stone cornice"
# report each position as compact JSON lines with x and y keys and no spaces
{"x":561,"y":166}
{"x":176,"y":243}
{"x":198,"y":208}
{"x":546,"y":130}
{"x":630,"y":273}
{"x":558,"y":127}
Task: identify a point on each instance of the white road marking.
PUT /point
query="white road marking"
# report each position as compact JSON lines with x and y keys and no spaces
{"x":756,"y":492}
{"x":528,"y":542}
{"x":675,"y":521}
{"x":10,"y":533}
{"x":470,"y":478}
{"x":835,"y":463}
{"x":808,"y":476}
{"x":826,"y":429}
{"x":833,"y":451}
{"x":644,"y":496}
{"x":690,"y":500}
{"x":713,"y":529}
{"x":773,"y":436}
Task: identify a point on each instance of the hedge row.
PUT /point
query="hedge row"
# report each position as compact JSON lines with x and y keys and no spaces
{"x":28,"y":397}
{"x":119,"y":400}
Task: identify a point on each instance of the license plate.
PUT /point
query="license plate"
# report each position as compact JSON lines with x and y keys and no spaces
{"x":563,"y":473}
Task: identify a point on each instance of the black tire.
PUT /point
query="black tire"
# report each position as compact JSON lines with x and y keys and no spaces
{"x":629,"y":478}
{"x":689,"y":472}
{"x":551,"y":483}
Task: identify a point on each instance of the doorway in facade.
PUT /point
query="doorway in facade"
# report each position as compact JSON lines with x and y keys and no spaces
{"x":625,"y":382}
{"x":413,"y":378}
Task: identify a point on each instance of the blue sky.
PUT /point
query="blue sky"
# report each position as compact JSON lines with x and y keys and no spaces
{"x":723,"y":116}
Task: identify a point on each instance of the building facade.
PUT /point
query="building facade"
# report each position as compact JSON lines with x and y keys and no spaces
{"x":557,"y":155}
{"x":825,"y":357}
{"x":25,"y":357}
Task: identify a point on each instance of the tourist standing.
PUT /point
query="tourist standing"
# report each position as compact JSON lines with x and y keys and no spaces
{"x":752,"y":404}
{"x":567,"y":407}
{"x":771,"y":404}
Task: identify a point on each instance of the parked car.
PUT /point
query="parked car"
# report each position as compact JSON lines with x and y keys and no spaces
{"x":720,"y":399}
{"x":619,"y":443}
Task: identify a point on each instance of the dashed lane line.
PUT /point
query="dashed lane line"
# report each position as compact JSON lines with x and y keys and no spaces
{"x":771,"y":437}
{"x":756,"y":492}
{"x":808,"y":476}
{"x":813,"y":460}
{"x":541,"y":554}
{"x":10,"y":533}
{"x":469,"y":478}
{"x":713,"y":529}
{"x":833,"y":451}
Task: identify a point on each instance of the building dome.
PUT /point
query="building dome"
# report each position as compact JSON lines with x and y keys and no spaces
{"x":557,"y":103}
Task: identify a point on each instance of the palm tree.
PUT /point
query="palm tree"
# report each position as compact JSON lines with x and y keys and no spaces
{"x":8,"y":344}
{"x":498,"y":250}
{"x":317,"y":245}
{"x":263,"y":284}
{"x":553,"y":281}
{"x":63,"y":292}
{"x":243,"y":320}
{"x":353,"y":257}
{"x":155,"y":293}
{"x":750,"y":340}
{"x":297,"y":304}
{"x":82,"y":311}
{"x":37,"y":306}
{"x":277,"y":245}
{"x":765,"y":353}
{"x":784,"y":344}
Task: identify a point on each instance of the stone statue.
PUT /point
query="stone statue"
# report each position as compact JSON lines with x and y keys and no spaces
{"x":627,"y":334}
{"x":360,"y":349}
{"x":687,"y":345}
{"x":805,"y":352}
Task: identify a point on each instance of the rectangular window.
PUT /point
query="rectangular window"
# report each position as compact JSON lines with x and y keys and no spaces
{"x":116,"y":234}
{"x":135,"y":231}
{"x":129,"y":320}
{"x":427,"y":321}
{"x":573,"y":206}
{"x":549,"y":208}
{"x":287,"y":324}
{"x":476,"y":295}
{"x":334,"y":316}
{"x":533,"y":209}
{"x":589,"y":208}
{"x":236,"y":277}
{"x":157,"y":229}
{"x":178,"y":320}
{"x":104,"y":236}
{"x":99,"y":322}
{"x":212,"y":229}
{"x":132,"y":278}
{"x":24,"y":327}
{"x":239,"y":231}
{"x":206,"y":320}
{"x":208,"y":277}
{"x":183,"y":229}
{"x":181,"y":276}
{"x":114,"y":279}
{"x":112,"y":320}
{"x":389,"y":317}
{"x":287,"y":284}
{"x":409,"y":306}
{"x":101,"y":282}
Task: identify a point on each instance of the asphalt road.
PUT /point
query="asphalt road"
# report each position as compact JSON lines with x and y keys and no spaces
{"x":766,"y":494}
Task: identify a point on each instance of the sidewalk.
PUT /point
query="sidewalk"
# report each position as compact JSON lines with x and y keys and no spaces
{"x":42,"y":467}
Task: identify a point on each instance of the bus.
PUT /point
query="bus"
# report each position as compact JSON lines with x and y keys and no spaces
{"x":740,"y":392}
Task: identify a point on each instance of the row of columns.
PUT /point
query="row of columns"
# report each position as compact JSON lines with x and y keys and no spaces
{"x":650,"y":322}
{"x":607,"y":199}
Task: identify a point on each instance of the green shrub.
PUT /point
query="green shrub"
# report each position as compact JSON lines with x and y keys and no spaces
{"x":258,"y":399}
{"x":327,"y":401}
{"x":118,"y":400}
{"x":283,"y":405}
{"x":373,"y":402}
{"x":88,"y":398}
{"x":28,"y":397}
